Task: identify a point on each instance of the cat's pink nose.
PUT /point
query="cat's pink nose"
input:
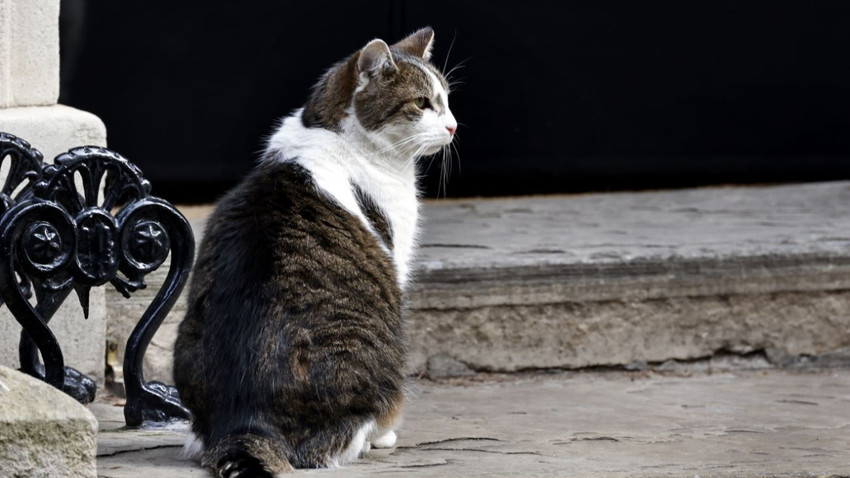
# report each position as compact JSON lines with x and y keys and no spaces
{"x":452,"y":130}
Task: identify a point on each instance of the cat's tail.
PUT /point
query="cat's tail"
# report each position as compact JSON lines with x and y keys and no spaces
{"x":246,"y":455}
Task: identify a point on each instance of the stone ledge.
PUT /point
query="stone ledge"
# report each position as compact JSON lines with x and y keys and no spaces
{"x":612,"y":279}
{"x":53,"y":129}
{"x":43,"y":432}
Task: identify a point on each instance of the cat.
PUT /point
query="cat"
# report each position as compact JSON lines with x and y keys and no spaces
{"x":292,"y":350}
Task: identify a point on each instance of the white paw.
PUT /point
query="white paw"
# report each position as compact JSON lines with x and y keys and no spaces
{"x":387,"y":440}
{"x":193,"y":449}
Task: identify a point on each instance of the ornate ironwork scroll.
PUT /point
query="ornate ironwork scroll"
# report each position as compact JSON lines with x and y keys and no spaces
{"x":59,"y":233}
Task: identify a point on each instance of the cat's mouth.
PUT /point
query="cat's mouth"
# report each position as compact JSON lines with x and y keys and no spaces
{"x":441,"y":142}
{"x":436,"y":148}
{"x":432,"y":150}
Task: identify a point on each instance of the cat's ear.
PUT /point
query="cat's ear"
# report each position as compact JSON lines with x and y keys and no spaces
{"x":418,"y":43}
{"x":375,"y":57}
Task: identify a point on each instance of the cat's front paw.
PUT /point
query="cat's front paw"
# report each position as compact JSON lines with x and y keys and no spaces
{"x":387,"y":440}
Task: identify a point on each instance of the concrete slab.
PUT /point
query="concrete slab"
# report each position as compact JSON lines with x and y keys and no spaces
{"x":762,"y":423}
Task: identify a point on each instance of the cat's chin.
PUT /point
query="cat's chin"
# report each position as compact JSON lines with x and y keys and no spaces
{"x":431,"y":150}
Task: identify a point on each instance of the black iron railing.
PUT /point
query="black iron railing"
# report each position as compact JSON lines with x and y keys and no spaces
{"x":86,"y":220}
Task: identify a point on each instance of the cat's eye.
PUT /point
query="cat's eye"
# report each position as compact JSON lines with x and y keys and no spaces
{"x":422,"y":102}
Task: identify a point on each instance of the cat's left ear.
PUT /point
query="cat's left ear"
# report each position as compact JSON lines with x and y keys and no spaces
{"x":375,"y":57}
{"x":418,"y":43}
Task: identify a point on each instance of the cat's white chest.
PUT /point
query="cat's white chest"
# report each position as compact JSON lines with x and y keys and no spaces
{"x":394,"y":193}
{"x":402,"y":209}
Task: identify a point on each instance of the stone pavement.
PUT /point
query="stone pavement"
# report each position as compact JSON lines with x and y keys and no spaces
{"x":683,"y":423}
{"x":687,"y":333}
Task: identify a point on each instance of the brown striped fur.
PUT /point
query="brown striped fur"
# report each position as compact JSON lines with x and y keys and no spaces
{"x":383,"y":101}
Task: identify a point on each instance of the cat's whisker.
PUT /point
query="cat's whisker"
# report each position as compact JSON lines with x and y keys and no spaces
{"x":397,"y":144}
{"x":412,"y":139}
{"x":461,"y":65}
{"x":444,"y":171}
{"x":449,"y":164}
{"x":448,"y":53}
{"x":457,"y":154}
{"x":417,"y":153}
{"x":428,"y":168}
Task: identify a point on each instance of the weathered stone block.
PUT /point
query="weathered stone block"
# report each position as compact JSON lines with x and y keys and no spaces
{"x":509,"y":338}
{"x":43,"y":432}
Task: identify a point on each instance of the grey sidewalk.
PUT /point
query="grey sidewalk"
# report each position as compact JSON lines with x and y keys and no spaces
{"x":606,"y":425}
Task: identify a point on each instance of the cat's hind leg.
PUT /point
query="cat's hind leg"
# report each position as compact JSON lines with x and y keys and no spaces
{"x":334,"y":446}
{"x":384,"y":435}
{"x":193,"y":448}
{"x":358,"y":445}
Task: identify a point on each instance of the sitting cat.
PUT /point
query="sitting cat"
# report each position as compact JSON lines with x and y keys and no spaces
{"x":292,"y":350}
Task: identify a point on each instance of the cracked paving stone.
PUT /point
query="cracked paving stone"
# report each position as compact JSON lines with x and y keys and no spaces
{"x":732,"y":424}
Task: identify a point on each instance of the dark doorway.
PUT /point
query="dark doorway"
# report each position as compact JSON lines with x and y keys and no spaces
{"x":553,"y":96}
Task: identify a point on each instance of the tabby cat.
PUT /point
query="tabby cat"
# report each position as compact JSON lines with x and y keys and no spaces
{"x":292,"y":351}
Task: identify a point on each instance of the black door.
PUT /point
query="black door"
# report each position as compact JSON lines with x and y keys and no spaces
{"x":552,"y":96}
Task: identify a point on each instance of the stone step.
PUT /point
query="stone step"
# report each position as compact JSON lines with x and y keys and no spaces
{"x":618,"y":279}
{"x":613,"y":279}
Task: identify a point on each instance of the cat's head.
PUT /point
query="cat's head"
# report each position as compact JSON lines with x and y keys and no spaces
{"x":392,"y":93}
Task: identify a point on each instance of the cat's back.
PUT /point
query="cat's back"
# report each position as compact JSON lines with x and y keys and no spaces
{"x":277,"y":234}
{"x":285,"y":276}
